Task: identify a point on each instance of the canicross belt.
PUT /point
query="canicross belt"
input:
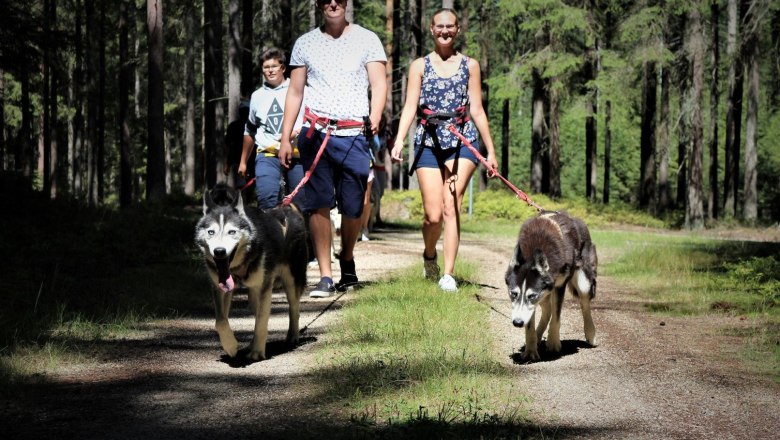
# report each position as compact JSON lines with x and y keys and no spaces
{"x":330,"y":125}
{"x":459,"y":117}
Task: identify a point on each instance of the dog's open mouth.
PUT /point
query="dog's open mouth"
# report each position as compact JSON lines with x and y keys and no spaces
{"x":223,"y":274}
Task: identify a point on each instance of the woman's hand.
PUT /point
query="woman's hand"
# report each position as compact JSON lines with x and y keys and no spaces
{"x":491,"y":159}
{"x":396,"y":154}
{"x":242,"y":170}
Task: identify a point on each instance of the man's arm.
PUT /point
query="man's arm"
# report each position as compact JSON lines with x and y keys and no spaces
{"x":377,"y":74}
{"x":292,"y":106}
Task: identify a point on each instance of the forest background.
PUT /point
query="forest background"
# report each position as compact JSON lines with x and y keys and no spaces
{"x":667,"y":106}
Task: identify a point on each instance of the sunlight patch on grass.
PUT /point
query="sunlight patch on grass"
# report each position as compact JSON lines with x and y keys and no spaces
{"x":405,"y":350}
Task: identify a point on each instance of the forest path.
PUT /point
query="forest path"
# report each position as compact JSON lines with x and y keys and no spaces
{"x":649,"y":377}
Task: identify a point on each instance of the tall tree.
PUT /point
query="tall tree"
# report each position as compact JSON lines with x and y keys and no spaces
{"x":45,"y":157}
{"x":607,"y":150}
{"x":189,"y":112}
{"x":713,"y":199}
{"x":664,"y":144}
{"x":234,"y":59}
{"x":125,"y":143}
{"x":694,"y":210}
{"x":736,"y":12}
{"x":100,"y":130}
{"x":647,"y":179}
{"x":247,"y":27}
{"x":538,"y":98}
{"x":750,"y":191}
{"x":155,"y":152}
{"x":684,"y":117}
{"x":213,"y":90}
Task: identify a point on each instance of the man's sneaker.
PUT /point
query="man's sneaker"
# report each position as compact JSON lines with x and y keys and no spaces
{"x":323,"y":289}
{"x":430,"y":267}
{"x":348,"y":275}
{"x":447,"y":283}
{"x":364,"y":236}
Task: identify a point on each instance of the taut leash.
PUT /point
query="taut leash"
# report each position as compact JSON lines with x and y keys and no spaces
{"x":492,"y":171}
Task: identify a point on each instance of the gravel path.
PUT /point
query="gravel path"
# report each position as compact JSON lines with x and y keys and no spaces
{"x":649,"y":377}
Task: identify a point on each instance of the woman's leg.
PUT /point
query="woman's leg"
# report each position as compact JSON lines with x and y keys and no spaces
{"x":430,"y":181}
{"x":457,"y":174}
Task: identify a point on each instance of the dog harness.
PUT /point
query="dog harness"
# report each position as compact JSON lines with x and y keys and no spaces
{"x":330,"y":125}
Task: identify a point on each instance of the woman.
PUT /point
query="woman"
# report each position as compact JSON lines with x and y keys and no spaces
{"x":446,"y":86}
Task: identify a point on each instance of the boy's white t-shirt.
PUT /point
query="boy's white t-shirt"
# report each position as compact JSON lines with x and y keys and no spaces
{"x":337,"y":80}
{"x":266,"y":109}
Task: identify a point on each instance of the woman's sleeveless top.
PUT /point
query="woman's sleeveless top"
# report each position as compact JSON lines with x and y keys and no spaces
{"x":444,"y":95}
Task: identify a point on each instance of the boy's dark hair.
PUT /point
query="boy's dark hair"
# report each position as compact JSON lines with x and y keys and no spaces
{"x":273,"y":54}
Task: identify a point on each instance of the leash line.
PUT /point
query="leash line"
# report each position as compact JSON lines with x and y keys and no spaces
{"x":493,"y":172}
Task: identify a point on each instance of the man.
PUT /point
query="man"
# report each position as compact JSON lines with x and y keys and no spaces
{"x":336,"y":63}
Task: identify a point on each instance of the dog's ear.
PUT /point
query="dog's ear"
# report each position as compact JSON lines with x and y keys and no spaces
{"x":540,"y":261}
{"x":238,"y":203}
{"x":208,"y":202}
{"x":517,"y":257}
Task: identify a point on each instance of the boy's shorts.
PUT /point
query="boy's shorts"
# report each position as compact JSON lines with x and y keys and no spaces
{"x":341,"y":176}
{"x":436,"y":157}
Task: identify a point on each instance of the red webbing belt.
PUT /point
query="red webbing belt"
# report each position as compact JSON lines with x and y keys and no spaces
{"x":493,"y":172}
{"x":331,"y":125}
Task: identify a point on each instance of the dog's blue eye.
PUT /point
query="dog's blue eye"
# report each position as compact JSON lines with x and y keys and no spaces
{"x":211,"y":232}
{"x":232,"y":232}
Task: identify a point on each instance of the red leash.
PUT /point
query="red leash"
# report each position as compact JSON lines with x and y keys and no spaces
{"x":331,"y":125}
{"x":492,"y":171}
{"x":248,"y":184}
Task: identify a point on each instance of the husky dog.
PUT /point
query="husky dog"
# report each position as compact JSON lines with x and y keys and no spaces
{"x":252,"y":247}
{"x":553,"y":251}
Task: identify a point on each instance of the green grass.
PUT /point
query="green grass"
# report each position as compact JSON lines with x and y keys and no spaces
{"x":76,"y":275}
{"x":406,"y":355}
{"x":690,"y":275}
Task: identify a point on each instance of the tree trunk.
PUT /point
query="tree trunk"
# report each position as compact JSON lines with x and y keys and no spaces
{"x":91,"y":75}
{"x":234,"y":59}
{"x":350,"y":12}
{"x":505,"y":139}
{"x":683,"y":125}
{"x":100,"y":129}
{"x":647,"y":171}
{"x":55,"y":175}
{"x":75,"y":98}
{"x":607,"y":150}
{"x":537,"y":131}
{"x":713,"y":199}
{"x":555,"y":143}
{"x":45,"y":153}
{"x":213,"y":89}
{"x":733,"y":109}
{"x":155,"y":154}
{"x":663,"y":145}
{"x":694,"y":210}
{"x":591,"y":72}
{"x":23,"y":151}
{"x":189,"y":116}
{"x":125,"y":143}
{"x":247,"y":78}
{"x":417,"y":47}
{"x":751,"y":45}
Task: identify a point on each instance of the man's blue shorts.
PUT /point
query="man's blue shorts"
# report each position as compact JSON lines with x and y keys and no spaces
{"x":340,"y":178}
{"x":431,"y":157}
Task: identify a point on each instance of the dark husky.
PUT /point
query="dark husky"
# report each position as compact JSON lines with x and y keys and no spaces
{"x":253,"y":248}
{"x":553,"y":251}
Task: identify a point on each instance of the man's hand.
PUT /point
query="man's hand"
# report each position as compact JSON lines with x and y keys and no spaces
{"x":285,"y":153}
{"x":242,"y":170}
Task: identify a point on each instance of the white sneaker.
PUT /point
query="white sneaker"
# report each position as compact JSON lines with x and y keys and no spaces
{"x":364,"y":236}
{"x":448,"y":284}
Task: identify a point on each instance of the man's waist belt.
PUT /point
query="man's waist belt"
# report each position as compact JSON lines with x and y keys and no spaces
{"x":273,"y":151}
{"x":330,"y":124}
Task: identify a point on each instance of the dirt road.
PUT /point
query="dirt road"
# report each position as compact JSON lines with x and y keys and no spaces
{"x":649,"y":377}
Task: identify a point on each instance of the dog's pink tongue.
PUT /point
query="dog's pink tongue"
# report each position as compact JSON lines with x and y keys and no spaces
{"x":228,"y":284}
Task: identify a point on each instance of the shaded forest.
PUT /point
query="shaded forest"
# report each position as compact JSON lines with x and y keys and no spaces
{"x":669,"y":106}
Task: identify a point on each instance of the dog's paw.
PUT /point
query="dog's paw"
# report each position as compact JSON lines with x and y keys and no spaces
{"x":529,"y":355}
{"x":553,"y":346}
{"x":256,"y":355}
{"x":229,"y":344}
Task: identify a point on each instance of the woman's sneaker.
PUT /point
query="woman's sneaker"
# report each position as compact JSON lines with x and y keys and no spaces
{"x":430,"y":267}
{"x":323,"y":289}
{"x":447,"y":283}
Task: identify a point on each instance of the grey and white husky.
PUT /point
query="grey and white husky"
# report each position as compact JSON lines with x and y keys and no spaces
{"x":553,"y":251}
{"x":252,"y":248}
